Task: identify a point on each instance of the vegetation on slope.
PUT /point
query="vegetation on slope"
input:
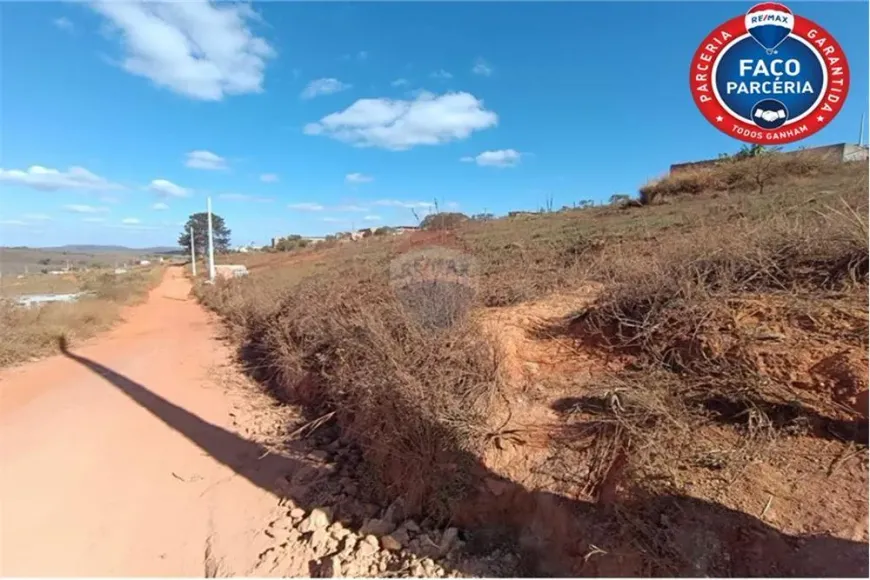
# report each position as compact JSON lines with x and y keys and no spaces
{"x":26,"y":333}
{"x":696,"y":282}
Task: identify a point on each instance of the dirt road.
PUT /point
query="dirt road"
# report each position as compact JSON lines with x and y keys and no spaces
{"x":119,"y":458}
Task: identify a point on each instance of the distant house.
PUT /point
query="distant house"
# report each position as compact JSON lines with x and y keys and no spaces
{"x":520,"y":213}
{"x":144,"y":262}
{"x":405,"y":229}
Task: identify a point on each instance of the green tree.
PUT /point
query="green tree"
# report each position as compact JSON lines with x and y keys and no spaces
{"x":199,"y":223}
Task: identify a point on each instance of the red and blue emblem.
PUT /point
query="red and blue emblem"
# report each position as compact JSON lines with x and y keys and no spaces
{"x":769,"y":76}
{"x":769,"y":24}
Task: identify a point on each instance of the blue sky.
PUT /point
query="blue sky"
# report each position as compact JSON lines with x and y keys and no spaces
{"x":118,"y":119}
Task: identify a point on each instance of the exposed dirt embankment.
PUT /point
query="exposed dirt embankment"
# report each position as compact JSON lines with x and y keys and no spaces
{"x":671,"y":388}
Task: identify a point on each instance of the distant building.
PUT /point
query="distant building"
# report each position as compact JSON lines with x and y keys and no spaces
{"x":405,"y":229}
{"x":144,"y":262}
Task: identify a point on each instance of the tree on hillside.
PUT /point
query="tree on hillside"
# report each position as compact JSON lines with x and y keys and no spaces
{"x":442,"y":221}
{"x":619,"y":198}
{"x":199,"y":223}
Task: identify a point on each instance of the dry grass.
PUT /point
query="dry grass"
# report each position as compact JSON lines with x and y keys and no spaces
{"x":414,"y":395}
{"x":696,"y":310}
{"x":327,"y":329}
{"x":26,"y":333}
{"x":730,"y":175}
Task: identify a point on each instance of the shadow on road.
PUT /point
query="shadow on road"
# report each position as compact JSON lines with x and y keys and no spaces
{"x":660,"y":536}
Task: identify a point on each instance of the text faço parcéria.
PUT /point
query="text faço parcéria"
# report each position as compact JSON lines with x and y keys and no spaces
{"x":776,"y":68}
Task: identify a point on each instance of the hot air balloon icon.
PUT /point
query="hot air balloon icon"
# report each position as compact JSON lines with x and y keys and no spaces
{"x":769,"y":23}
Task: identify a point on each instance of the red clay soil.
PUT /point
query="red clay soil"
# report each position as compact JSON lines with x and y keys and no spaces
{"x":115,"y":457}
{"x":798,"y":508}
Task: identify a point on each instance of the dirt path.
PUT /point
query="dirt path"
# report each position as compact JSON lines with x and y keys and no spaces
{"x":119,"y":458}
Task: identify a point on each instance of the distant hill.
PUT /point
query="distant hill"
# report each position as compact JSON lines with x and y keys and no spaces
{"x":18,"y":260}
{"x":97,"y":249}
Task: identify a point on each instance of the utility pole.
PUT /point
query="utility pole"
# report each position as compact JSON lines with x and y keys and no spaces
{"x":192,"y":253}
{"x":861,"y":132}
{"x":210,"y":245}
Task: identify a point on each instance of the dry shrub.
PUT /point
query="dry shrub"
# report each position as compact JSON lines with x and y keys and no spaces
{"x":413,"y":394}
{"x":659,"y":299}
{"x":674,"y":308}
{"x":753,"y":173}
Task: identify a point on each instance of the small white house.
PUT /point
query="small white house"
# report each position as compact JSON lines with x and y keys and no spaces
{"x":144,"y":262}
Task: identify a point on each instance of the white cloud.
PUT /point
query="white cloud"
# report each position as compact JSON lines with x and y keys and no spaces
{"x":45,"y":179}
{"x":37,"y":217}
{"x":269,"y":178}
{"x":499,"y":158}
{"x":13,"y":223}
{"x":64,"y":24}
{"x":335,"y":220}
{"x":130,"y":221}
{"x":135,"y":227}
{"x":323,"y":87}
{"x":452,"y":204}
{"x":350,"y":208}
{"x":164,"y":187}
{"x":358,"y":178}
{"x":482,"y":68}
{"x":306,"y":206}
{"x":159,"y":206}
{"x":243,"y":197}
{"x":372,"y":218}
{"x":400,"y":83}
{"x":79,"y":208}
{"x":205,"y":160}
{"x":441,"y":74}
{"x":400,"y":124}
{"x":400,"y":203}
{"x":202,"y":50}
{"x":94,"y":220}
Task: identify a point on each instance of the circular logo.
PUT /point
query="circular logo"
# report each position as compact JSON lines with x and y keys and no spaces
{"x":435,"y":285}
{"x":769,"y":77}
